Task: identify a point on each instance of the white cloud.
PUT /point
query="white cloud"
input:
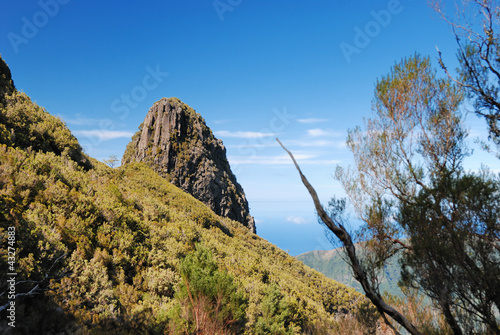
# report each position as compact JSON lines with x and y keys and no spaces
{"x":269,"y":160}
{"x":271,"y":143}
{"x":320,"y":132}
{"x":242,"y":134}
{"x":253,"y":145}
{"x":296,"y":219}
{"x":104,"y":135}
{"x":311,"y":120}
{"x":315,"y":143}
{"x":83,"y":121}
{"x":284,"y":159}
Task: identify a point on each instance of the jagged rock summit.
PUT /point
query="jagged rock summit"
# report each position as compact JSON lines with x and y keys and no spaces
{"x":175,"y":141}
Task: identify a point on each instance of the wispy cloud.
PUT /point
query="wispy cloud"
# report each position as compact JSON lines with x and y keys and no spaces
{"x":104,"y":135}
{"x":311,"y":120}
{"x":243,"y":134}
{"x":253,"y":145}
{"x":268,"y":160}
{"x":320,"y":133}
{"x":296,"y":219}
{"x":82,"y":121}
{"x":305,"y":159}
{"x":315,"y":143}
{"x":305,"y":143}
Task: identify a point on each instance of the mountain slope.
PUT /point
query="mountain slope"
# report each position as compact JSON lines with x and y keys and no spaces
{"x":26,"y":125}
{"x":99,"y":250}
{"x":176,"y":143}
{"x":332,"y":265}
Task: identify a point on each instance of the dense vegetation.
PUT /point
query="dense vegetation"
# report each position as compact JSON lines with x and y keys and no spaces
{"x":103,"y":250}
{"x":26,"y":125}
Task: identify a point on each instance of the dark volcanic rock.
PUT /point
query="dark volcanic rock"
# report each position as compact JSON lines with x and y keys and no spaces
{"x":6,"y":83}
{"x":175,"y":141}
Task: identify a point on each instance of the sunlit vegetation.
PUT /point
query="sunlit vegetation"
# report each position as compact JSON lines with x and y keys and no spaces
{"x":26,"y":125}
{"x":209,"y":300}
{"x":121,"y":250}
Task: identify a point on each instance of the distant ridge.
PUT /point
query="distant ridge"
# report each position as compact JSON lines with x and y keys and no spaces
{"x":332,"y":265}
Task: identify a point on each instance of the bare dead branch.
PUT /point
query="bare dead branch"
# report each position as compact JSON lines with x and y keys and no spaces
{"x":37,"y":288}
{"x":360,"y":275}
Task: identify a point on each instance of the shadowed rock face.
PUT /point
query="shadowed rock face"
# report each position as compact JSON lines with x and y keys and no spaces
{"x":6,"y":83}
{"x":175,"y":141}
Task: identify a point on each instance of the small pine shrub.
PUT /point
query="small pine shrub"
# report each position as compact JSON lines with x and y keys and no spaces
{"x":209,"y":301}
{"x":277,"y":314}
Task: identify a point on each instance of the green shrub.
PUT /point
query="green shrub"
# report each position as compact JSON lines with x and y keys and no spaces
{"x":104,"y":250}
{"x":277,"y":314}
{"x":210,"y":302}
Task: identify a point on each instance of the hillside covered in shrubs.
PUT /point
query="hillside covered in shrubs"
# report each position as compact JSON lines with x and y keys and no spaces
{"x":123,"y":251}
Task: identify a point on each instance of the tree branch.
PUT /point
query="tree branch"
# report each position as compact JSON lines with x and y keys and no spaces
{"x":36,"y":289}
{"x":360,"y":275}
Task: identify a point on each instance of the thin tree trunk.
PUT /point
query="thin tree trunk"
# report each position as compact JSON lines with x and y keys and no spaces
{"x":360,"y":275}
{"x":445,"y":307}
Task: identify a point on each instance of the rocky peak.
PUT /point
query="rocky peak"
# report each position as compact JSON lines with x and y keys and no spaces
{"x":176,"y":142}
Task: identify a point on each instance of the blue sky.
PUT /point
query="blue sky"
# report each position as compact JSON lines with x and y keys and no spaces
{"x":303,"y":71}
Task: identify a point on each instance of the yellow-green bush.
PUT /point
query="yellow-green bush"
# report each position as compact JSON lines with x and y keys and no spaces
{"x":100,"y":250}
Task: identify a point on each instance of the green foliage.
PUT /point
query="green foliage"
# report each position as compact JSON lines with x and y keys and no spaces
{"x":26,"y":125}
{"x":105,"y":247}
{"x":209,"y":298}
{"x":454,"y":227}
{"x":106,"y":251}
{"x":409,"y":187}
{"x":6,"y":83}
{"x":277,"y":314}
